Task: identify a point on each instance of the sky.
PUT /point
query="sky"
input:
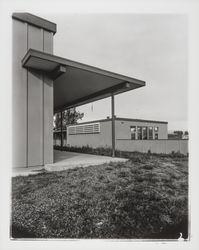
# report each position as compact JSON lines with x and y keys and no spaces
{"x":150,"y":47}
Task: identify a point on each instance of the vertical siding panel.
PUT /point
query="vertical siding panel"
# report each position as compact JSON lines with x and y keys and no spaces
{"x":35,"y":103}
{"x":35,"y":38}
{"x":48,"y":42}
{"x":19,"y":95}
{"x":35,"y":119}
{"x":48,"y":120}
{"x":48,"y":104}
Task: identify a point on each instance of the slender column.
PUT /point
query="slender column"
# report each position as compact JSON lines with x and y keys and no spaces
{"x":113,"y":123}
{"x":61,"y":130}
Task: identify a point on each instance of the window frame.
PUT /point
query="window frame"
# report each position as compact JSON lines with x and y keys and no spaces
{"x":150,"y":137}
{"x":135,"y":132}
{"x":139,"y":133}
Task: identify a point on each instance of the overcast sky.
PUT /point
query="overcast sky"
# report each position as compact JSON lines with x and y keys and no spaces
{"x":150,"y":47}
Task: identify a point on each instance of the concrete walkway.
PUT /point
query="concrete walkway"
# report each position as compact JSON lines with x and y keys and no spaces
{"x":65,"y":160}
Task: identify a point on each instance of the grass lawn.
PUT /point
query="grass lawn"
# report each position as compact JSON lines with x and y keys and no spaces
{"x":147,"y":197}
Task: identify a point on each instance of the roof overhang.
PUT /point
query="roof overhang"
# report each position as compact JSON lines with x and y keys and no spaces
{"x":75,"y":83}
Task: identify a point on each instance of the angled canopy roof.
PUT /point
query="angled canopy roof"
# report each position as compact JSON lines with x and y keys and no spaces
{"x":76,"y":83}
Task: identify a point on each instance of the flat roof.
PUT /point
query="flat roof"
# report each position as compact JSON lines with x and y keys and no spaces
{"x":120,"y":119}
{"x":140,"y":120}
{"x":76,"y":83}
{"x":35,"y":21}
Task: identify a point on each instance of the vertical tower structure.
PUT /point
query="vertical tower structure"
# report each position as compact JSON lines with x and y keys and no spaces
{"x":32,"y":93}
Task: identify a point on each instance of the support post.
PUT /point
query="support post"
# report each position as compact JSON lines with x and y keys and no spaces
{"x":61,"y":130}
{"x":113,"y":123}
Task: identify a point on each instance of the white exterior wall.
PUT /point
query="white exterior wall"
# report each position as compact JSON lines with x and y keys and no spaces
{"x":19,"y":92}
{"x":122,"y":128}
{"x":155,"y":146}
{"x":32,"y":100}
{"x":123,"y":138}
{"x":102,"y":139}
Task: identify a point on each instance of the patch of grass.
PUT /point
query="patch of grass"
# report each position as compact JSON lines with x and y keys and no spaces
{"x":146,"y":198}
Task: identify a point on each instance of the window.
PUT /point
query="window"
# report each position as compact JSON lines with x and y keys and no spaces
{"x":139,"y":131}
{"x":150,"y":133}
{"x":156,"y":129}
{"x":91,"y":128}
{"x":133,"y":132}
{"x":156,"y":133}
{"x":144,"y":133}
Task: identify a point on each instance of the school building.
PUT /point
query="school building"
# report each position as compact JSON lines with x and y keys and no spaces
{"x":130,"y":135}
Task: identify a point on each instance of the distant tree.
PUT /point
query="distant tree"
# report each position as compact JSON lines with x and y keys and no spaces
{"x":70,"y":116}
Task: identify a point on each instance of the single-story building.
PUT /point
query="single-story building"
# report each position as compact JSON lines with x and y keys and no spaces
{"x":130,"y":135}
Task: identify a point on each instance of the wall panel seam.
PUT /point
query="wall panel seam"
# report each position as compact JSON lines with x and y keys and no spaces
{"x":27,"y":26}
{"x":43,"y":110}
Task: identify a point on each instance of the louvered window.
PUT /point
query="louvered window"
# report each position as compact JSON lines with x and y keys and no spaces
{"x":84,"y":129}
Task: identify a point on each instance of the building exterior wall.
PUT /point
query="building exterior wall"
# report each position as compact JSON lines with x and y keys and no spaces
{"x":155,"y":146}
{"x":19,"y":92}
{"x":32,"y":99}
{"x":123,"y":138}
{"x":102,"y":139}
{"x":122,"y":128}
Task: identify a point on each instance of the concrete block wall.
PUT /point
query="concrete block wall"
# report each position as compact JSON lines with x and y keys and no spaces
{"x":32,"y":99}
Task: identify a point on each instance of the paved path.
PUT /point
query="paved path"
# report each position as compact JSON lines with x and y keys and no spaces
{"x":65,"y":160}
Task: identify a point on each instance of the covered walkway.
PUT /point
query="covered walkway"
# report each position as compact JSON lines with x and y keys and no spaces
{"x":45,"y":84}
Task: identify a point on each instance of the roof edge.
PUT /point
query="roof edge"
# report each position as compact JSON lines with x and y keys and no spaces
{"x":94,"y":121}
{"x":120,"y":119}
{"x":139,"y":120}
{"x":35,"y":21}
{"x":71,"y":63}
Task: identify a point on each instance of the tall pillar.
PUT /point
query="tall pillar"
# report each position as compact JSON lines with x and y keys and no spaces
{"x":113,"y":123}
{"x":32,"y":94}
